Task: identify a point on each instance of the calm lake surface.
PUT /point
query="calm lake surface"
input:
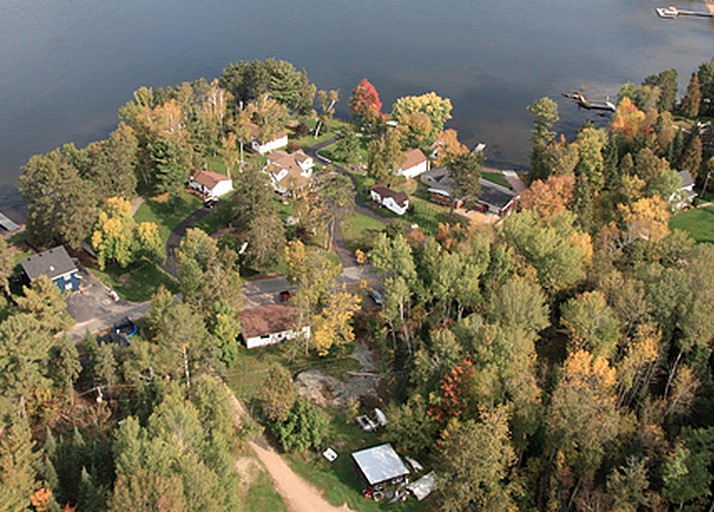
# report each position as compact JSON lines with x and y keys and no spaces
{"x":66,"y":66}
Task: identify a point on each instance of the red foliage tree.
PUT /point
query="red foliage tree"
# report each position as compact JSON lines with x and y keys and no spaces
{"x":455,"y":390}
{"x":365,"y":105}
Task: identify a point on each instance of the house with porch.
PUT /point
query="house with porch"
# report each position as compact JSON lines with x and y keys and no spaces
{"x":271,"y":324}
{"x":415,"y":163}
{"x":289,"y":171}
{"x":397,"y":202}
{"x":210,"y":184}
{"x":56,"y":264}
{"x":263,"y":145}
{"x":439,"y":183}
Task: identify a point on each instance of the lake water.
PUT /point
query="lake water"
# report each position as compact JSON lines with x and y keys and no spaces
{"x":67,"y":65}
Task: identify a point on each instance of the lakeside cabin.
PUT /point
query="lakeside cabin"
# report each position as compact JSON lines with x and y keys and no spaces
{"x":415,"y":163}
{"x":396,"y":202}
{"x":271,"y":324}
{"x":56,"y":264}
{"x":263,"y":145}
{"x":210,"y":184}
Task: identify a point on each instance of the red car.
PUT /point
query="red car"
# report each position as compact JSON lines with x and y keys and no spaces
{"x":285,"y":295}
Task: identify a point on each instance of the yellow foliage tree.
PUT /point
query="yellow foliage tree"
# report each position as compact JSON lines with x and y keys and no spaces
{"x":333,"y":326}
{"x":628,"y":121}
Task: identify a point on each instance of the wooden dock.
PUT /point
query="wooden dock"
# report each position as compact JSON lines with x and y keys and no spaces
{"x":8,"y":224}
{"x":672,"y":12}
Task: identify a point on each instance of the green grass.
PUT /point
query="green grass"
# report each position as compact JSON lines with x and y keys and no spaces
{"x":263,"y":496}
{"x":699,"y":223}
{"x":359,"y":231}
{"x":165,"y":215}
{"x":496,"y":177}
{"x":136,"y":283}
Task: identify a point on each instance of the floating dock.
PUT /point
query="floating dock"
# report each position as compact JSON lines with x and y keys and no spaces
{"x":581,"y":100}
{"x":673,"y":12}
{"x":8,"y":224}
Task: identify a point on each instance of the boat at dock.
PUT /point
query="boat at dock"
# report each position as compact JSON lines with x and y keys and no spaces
{"x":582,"y":101}
{"x":672,"y":12}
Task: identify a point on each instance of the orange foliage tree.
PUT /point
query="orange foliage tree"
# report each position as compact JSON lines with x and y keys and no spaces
{"x":550,"y":197}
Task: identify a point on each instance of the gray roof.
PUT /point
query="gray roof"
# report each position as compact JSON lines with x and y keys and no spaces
{"x":495,"y":195}
{"x":51,"y":263}
{"x":380,"y":463}
{"x":438,"y":179}
{"x":687,"y":180}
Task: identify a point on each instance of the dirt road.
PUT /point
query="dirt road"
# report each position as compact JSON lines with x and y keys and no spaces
{"x":298,"y":495}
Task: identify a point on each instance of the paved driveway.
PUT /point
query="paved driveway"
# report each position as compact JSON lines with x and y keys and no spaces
{"x":175,"y":238}
{"x":95,"y":309}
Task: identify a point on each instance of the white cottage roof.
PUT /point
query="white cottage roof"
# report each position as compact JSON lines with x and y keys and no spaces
{"x":380,"y":463}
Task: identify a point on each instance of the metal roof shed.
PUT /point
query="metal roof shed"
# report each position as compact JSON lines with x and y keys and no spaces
{"x":380,"y":465}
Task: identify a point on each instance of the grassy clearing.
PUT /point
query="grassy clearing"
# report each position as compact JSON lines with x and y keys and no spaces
{"x":136,"y":283}
{"x":496,"y":177}
{"x":167,"y":216}
{"x":699,"y":223}
{"x":262,"y":495}
{"x":359,"y":231}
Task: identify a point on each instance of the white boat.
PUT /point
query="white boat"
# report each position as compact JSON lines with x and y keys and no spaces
{"x":667,"y":12}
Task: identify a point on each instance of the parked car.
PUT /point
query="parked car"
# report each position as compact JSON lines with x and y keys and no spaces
{"x":376,"y":297}
{"x":285,"y":295}
{"x":366,"y":423}
{"x":210,"y":203}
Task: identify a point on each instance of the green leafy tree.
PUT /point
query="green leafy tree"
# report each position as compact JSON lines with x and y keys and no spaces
{"x":591,"y":324}
{"x":43,"y":300}
{"x":410,"y":426}
{"x":465,"y":171}
{"x":305,"y":427}
{"x":692,"y":98}
{"x":61,"y":206}
{"x":7,"y":264}
{"x":225,"y":328}
{"x":338,"y":197}
{"x":384,"y":157}
{"x":483,"y":485}
{"x":685,"y":471}
{"x":114,"y":163}
{"x":278,"y":394}
{"x":347,"y":146}
{"x":666,"y":81}
{"x":17,"y":460}
{"x":545,"y":112}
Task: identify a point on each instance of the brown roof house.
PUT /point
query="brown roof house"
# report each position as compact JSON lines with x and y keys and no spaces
{"x":415,"y":163}
{"x":263,"y":145}
{"x":271,"y":324}
{"x":210,"y":184}
{"x":289,"y":171}
{"x":397,"y":202}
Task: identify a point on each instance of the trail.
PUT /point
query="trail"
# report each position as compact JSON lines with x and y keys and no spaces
{"x":298,"y":495}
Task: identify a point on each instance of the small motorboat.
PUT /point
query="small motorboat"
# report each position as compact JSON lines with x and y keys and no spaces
{"x":670,"y":12}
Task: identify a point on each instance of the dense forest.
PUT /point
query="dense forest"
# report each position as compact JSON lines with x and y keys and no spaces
{"x":558,"y":360}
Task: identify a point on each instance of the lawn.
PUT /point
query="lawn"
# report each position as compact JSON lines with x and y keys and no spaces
{"x":167,"y":216}
{"x":359,"y":231}
{"x":262,"y":495}
{"x":496,"y":177}
{"x":698,"y":222}
{"x":136,"y":283}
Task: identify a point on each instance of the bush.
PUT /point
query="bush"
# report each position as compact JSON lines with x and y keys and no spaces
{"x":305,"y":427}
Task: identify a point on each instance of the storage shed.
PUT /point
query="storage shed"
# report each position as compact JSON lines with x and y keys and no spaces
{"x":380,"y":466}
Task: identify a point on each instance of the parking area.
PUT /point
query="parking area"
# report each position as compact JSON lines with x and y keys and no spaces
{"x":95,"y":307}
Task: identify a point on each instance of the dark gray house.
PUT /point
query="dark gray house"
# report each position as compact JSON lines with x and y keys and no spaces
{"x":56,"y":264}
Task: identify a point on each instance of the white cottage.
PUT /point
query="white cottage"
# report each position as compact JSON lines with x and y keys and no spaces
{"x":262,"y":146}
{"x":415,"y":163}
{"x":271,"y":324}
{"x":210,"y":184}
{"x":397,"y":202}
